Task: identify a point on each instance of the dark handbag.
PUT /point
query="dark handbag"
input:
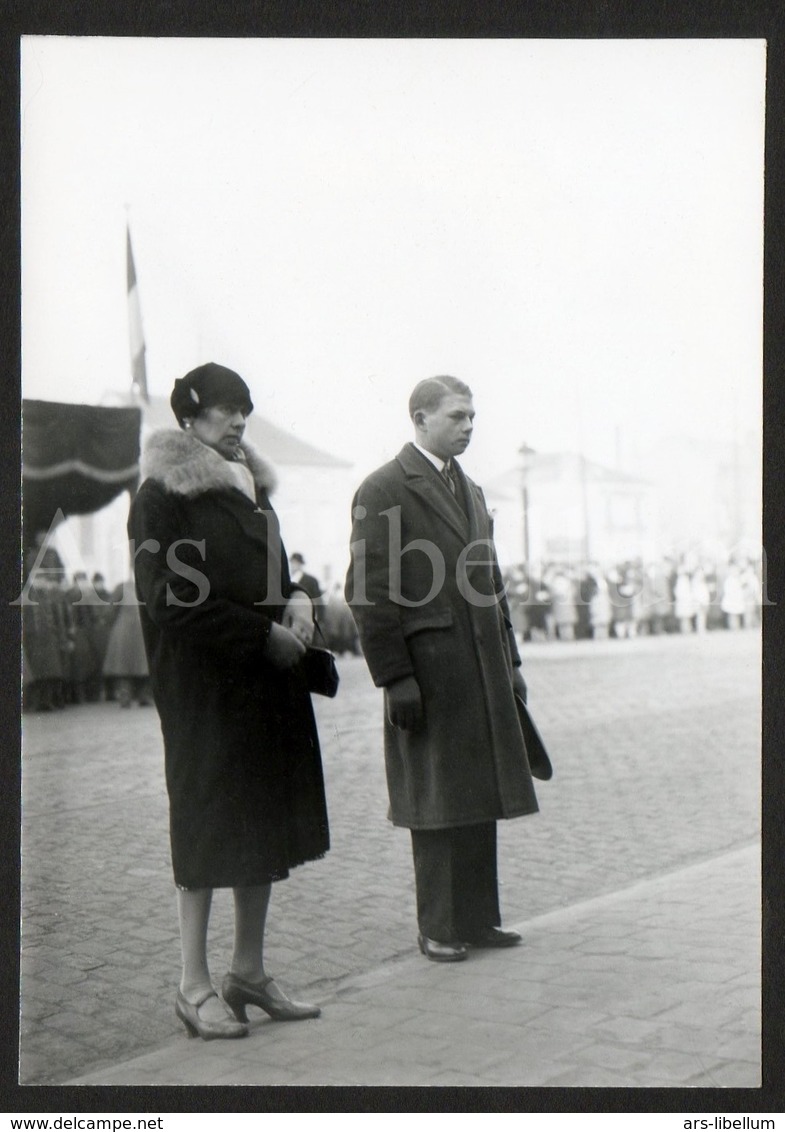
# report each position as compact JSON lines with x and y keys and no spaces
{"x":321,"y":671}
{"x":539,"y":763}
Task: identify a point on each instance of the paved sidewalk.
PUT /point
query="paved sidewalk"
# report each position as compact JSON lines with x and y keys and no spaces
{"x":656,"y":746}
{"x":654,"y":985}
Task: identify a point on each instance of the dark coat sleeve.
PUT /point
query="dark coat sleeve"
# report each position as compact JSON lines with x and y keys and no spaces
{"x":369,"y":587}
{"x":173,"y":585}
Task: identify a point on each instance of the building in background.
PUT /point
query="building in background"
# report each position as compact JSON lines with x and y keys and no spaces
{"x":312,"y":499}
{"x":695,"y":498}
{"x":562,"y":507}
{"x":709,"y":494}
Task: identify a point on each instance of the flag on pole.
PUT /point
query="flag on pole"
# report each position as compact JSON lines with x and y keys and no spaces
{"x":138,"y":368}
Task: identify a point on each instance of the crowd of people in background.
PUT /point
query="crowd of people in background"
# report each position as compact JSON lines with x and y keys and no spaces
{"x":336,"y":627}
{"x":567,"y":602}
{"x":83,"y":642}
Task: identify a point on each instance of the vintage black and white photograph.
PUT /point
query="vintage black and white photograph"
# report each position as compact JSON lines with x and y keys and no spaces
{"x":393,"y":567}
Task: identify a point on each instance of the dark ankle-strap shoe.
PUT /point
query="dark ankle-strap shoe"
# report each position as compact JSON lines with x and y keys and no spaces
{"x":239,"y":993}
{"x":188,"y":1013}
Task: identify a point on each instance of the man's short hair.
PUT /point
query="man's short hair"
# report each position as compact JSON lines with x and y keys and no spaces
{"x":429,"y":393}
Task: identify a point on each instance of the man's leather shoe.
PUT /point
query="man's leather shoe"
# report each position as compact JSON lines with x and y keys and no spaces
{"x":441,"y":952}
{"x":495,"y":937}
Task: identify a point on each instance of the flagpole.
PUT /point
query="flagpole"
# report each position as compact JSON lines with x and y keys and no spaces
{"x":135,"y":332}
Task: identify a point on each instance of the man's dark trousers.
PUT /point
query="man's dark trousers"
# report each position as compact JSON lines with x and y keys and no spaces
{"x":456,"y":878}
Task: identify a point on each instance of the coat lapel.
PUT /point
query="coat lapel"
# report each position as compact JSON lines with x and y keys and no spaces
{"x":480,"y":563}
{"x":475,"y":509}
{"x":258,"y":520}
{"x":423,"y":479}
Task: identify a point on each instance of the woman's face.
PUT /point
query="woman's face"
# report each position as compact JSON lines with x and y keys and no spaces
{"x":220,"y":427}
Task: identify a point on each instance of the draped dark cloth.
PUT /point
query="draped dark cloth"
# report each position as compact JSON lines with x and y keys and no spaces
{"x":76,"y":459}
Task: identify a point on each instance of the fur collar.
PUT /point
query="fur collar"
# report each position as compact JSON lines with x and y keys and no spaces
{"x":185,"y":466}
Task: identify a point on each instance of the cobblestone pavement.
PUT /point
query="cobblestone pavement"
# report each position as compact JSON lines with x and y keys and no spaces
{"x":654,"y":986}
{"x":655,"y":744}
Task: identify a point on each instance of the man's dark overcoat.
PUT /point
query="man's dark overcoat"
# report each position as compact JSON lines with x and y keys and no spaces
{"x":243,"y":766}
{"x":449,"y":629}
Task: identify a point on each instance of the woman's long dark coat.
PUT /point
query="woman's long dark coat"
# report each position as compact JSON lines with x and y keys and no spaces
{"x":243,"y":766}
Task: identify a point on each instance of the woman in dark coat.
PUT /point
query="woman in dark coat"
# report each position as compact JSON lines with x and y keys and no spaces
{"x":225,"y":631}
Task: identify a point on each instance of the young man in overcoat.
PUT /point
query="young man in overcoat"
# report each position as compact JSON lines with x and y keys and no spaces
{"x":427,"y":596}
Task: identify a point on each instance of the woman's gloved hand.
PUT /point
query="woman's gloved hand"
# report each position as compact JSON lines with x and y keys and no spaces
{"x":284,"y":648}
{"x":298,"y":616}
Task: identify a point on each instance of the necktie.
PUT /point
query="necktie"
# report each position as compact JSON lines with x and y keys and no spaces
{"x":448,"y":477}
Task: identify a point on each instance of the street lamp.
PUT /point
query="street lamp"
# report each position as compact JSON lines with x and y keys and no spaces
{"x":525,"y":452}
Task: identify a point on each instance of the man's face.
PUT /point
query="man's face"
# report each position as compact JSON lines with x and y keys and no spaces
{"x":446,"y":431}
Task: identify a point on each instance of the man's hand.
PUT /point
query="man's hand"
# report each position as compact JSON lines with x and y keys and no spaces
{"x":284,"y":649}
{"x":298,"y":616}
{"x":404,"y":704}
{"x":519,"y":684}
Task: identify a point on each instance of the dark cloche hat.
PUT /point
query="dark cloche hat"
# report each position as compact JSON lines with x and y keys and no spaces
{"x":208,"y":385}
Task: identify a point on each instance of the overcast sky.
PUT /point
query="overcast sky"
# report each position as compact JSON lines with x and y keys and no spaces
{"x":572,"y":227}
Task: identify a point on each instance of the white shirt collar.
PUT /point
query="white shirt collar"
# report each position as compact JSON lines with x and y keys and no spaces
{"x":437,"y":461}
